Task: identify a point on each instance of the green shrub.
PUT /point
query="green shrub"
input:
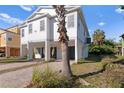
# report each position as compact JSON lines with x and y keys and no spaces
{"x":104,"y":49}
{"x":49,"y":79}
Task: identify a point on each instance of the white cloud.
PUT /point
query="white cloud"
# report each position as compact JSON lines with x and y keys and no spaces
{"x":27,"y":7}
{"x":119,"y":10}
{"x":11,"y":20}
{"x":4,"y":15}
{"x":89,"y":30}
{"x":101,"y":23}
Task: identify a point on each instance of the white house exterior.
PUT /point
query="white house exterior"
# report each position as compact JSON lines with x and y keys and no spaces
{"x":39,"y":36}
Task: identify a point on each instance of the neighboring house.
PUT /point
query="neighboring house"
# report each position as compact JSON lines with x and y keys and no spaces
{"x":39,"y":36}
{"x":10,"y":42}
{"x":122,"y":44}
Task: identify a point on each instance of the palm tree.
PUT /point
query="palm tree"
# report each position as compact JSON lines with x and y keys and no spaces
{"x":98,"y":37}
{"x":63,"y":39}
{"x":122,"y":7}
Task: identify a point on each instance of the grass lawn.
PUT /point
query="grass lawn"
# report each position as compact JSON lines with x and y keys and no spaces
{"x":100,"y":71}
{"x":13,"y":59}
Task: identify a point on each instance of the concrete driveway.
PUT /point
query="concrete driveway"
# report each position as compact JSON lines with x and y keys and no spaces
{"x":21,"y":77}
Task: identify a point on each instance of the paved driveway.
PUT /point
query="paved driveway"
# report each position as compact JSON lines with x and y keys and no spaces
{"x":15,"y":65}
{"x":20,"y":78}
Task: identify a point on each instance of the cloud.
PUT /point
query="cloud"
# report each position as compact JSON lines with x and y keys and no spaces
{"x":89,"y":30}
{"x":119,"y":10}
{"x":11,"y":20}
{"x":101,"y":23}
{"x":28,"y":8}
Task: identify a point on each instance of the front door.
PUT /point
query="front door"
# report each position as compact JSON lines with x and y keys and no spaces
{"x":71,"y":52}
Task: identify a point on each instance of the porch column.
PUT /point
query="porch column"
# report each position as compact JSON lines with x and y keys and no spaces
{"x":21,"y":51}
{"x":30,"y":51}
{"x":47,"y":51}
{"x":7,"y":51}
{"x":76,"y":50}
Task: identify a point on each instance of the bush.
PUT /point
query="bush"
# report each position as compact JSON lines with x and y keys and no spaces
{"x":104,"y":49}
{"x":49,"y":79}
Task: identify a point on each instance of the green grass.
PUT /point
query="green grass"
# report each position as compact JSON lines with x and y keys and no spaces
{"x":13,"y":59}
{"x":95,"y":71}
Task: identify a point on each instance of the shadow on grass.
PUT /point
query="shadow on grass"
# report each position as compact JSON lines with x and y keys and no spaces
{"x":99,"y":58}
{"x":94,"y":58}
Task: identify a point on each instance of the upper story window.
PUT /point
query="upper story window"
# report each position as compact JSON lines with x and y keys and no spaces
{"x":70,"y":21}
{"x":23,"y":32}
{"x":30,"y":28}
{"x":9,"y":38}
{"x":42,"y":25}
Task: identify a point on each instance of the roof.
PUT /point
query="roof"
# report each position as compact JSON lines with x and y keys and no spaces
{"x":49,"y":11}
{"x":6,"y":30}
{"x":12,"y":26}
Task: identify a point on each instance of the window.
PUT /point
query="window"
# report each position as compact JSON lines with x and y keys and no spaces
{"x":42,"y":25}
{"x":30,"y":28}
{"x":9,"y":39}
{"x":70,"y":21}
{"x":22,"y":32}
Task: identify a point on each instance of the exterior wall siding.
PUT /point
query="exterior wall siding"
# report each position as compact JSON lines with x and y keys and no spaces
{"x":3,"y":40}
{"x":50,"y":36}
{"x":15,"y":42}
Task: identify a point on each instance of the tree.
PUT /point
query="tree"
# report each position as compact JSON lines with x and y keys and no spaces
{"x":63,"y":39}
{"x":122,"y":7}
{"x":98,"y":37}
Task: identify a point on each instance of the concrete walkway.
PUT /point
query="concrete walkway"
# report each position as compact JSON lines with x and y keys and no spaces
{"x":20,"y":78}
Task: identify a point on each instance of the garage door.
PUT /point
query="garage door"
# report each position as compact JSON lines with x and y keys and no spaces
{"x":14,"y":51}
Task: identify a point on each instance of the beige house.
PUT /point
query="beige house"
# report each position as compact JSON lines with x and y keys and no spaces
{"x":10,"y":42}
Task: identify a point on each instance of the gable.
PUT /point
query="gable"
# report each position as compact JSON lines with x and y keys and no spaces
{"x":35,"y":15}
{"x":2,"y":31}
{"x":47,"y":10}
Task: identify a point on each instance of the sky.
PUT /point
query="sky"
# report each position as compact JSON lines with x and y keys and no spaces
{"x":109,"y":18}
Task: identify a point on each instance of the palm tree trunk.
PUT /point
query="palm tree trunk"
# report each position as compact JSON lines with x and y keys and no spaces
{"x":63,"y":39}
{"x":65,"y":59}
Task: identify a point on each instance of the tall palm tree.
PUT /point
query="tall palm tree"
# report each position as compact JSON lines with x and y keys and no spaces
{"x":63,"y":39}
{"x":98,"y":37}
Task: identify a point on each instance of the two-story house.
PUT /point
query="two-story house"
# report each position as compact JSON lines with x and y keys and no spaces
{"x":122,"y":44}
{"x":39,"y":36}
{"x":10,"y":42}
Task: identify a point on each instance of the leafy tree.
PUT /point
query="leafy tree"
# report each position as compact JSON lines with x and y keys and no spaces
{"x":98,"y":37}
{"x":110,"y":42}
{"x":63,"y":39}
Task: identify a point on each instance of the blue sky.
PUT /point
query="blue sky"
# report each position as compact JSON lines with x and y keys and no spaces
{"x":108,"y":18}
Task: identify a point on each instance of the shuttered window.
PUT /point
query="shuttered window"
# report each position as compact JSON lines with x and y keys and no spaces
{"x":42,"y":25}
{"x":30,"y":28}
{"x":70,"y":21}
{"x":22,"y":32}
